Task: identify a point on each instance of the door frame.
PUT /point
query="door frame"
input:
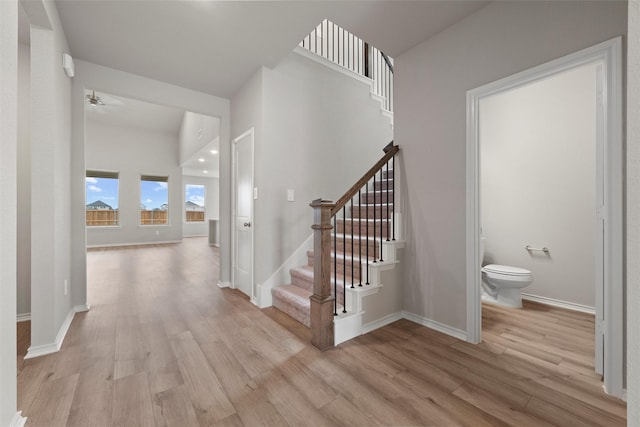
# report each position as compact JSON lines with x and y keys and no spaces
{"x":234,"y":243}
{"x":609,"y":54}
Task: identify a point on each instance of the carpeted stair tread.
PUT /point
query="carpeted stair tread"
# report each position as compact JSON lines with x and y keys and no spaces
{"x":303,"y":277}
{"x":293,"y":301}
{"x":379,"y":210}
{"x":377,"y":226}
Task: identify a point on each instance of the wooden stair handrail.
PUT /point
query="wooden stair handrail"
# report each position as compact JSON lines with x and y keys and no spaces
{"x":387,"y":60}
{"x":390,"y":151}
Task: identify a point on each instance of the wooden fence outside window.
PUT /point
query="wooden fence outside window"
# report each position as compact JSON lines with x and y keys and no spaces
{"x":154,"y":217}
{"x":195,"y":216}
{"x":102,"y":217}
{"x":111,"y":217}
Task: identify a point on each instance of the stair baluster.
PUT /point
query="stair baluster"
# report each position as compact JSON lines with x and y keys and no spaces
{"x":381,"y":211}
{"x":352,"y":229}
{"x":393,"y":199}
{"x":319,"y":310}
{"x":360,"y":237}
{"x":386,"y":186}
{"x":335,"y":266}
{"x":344,"y":258}
{"x":375,"y":194}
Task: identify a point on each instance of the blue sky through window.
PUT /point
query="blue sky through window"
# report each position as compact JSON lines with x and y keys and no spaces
{"x":153,"y":194}
{"x":104,"y":189}
{"x":194,"y":193}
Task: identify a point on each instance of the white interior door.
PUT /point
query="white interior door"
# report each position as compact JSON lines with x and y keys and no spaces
{"x":243,"y":213}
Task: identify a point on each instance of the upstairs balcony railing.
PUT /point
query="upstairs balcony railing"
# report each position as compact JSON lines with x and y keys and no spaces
{"x":344,"y":48}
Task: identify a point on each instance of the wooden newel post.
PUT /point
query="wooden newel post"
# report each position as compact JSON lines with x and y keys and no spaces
{"x":322,"y":300}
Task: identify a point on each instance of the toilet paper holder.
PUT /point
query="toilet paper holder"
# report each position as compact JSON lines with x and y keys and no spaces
{"x":531,"y":248}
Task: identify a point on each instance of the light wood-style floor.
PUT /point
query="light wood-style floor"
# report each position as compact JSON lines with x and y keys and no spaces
{"x":163,"y":346}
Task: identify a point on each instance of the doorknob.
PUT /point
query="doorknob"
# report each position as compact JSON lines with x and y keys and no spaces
{"x":247,"y":224}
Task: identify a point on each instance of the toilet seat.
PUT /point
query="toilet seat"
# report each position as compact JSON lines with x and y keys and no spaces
{"x":506,"y":272}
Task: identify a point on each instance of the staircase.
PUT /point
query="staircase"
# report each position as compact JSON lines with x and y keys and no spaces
{"x":362,"y":235}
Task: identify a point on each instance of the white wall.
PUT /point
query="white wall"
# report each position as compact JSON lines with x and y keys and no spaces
{"x":212,"y":204}
{"x":50,"y":181}
{"x":538,"y":182}
{"x":633,"y":215}
{"x":196,"y":131}
{"x":247,"y":107}
{"x":119,"y":83}
{"x":431,"y":81}
{"x":133,"y":152}
{"x":24,"y":181}
{"x":8,"y":180}
{"x":317,"y":132}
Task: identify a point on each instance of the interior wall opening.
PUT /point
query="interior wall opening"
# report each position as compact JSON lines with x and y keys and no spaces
{"x":541,"y":234}
{"x":151,"y":172}
{"x":608,"y":224}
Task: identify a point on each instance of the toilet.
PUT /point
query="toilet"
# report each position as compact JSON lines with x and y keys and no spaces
{"x":501,"y":284}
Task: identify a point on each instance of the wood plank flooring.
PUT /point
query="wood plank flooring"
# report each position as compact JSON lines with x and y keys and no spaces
{"x":163,"y":346}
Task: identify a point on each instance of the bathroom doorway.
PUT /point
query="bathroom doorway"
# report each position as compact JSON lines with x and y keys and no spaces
{"x":546,"y":143}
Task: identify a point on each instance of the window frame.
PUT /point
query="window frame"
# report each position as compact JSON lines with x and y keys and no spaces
{"x":94,"y":173}
{"x":154,"y":178}
{"x":204,"y":196}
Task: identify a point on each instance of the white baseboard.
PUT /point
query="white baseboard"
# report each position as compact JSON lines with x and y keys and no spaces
{"x":222,"y":284}
{"x":41,"y":350}
{"x":24,"y":317}
{"x":264,"y":298}
{"x":124,"y":245}
{"x":281,"y":276}
{"x":559,"y":303}
{"x":431,"y":324}
{"x":81,"y":308}
{"x":384,"y":321}
{"x":440,"y":327}
{"x":18,"y":420}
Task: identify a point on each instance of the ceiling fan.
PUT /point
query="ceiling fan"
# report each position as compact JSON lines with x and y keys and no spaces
{"x":94,"y":100}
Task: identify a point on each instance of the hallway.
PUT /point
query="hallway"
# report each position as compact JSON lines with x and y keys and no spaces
{"x":163,"y":346}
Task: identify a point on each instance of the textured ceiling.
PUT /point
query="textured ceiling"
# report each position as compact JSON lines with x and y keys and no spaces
{"x":126,"y":112}
{"x":215,"y":46}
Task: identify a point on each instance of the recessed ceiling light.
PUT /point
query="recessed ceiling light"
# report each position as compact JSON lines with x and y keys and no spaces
{"x":214,"y":151}
{"x":201,"y":159}
{"x":205,"y":171}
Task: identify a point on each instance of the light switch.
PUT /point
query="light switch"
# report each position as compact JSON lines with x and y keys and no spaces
{"x":290,"y":195}
{"x":255,"y":193}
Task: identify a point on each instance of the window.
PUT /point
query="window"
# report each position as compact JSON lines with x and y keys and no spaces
{"x":101,"y":189}
{"x":154,"y":200}
{"x":194,"y":203}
